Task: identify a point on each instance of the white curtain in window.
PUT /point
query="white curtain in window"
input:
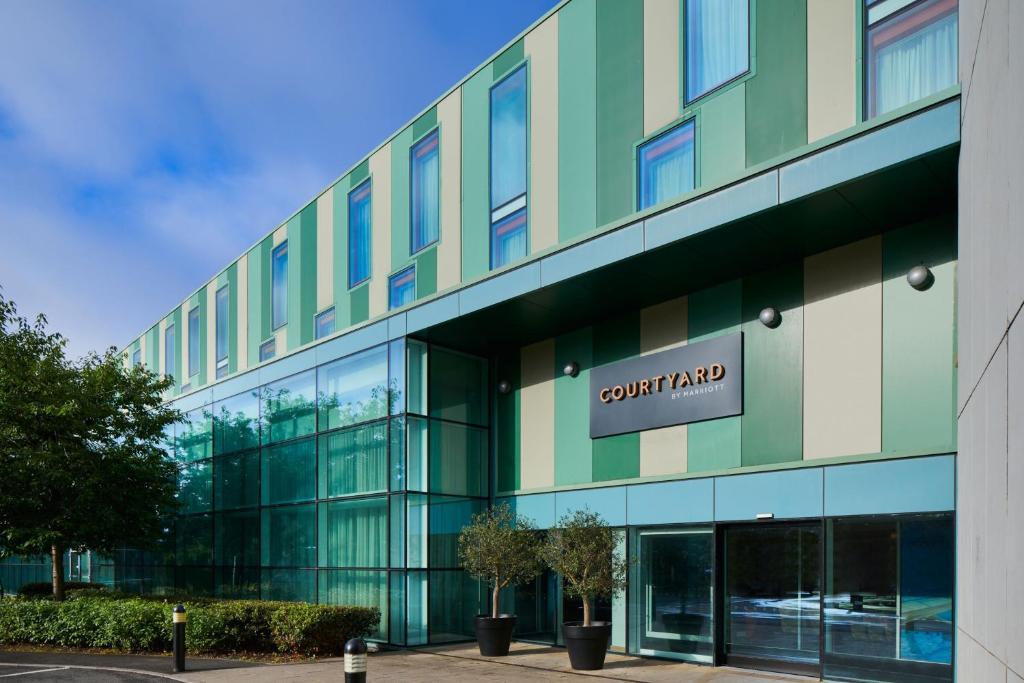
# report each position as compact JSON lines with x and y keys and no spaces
{"x":916,"y":65}
{"x":716,"y":43}
{"x":508,"y":139}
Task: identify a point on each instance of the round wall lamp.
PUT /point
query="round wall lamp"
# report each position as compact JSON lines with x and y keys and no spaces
{"x":571,"y":369}
{"x":504,"y":386}
{"x":770,"y":317}
{"x":920,"y":277}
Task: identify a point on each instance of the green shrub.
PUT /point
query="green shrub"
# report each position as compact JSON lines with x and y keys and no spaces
{"x":44,"y":589}
{"x":215,"y":627}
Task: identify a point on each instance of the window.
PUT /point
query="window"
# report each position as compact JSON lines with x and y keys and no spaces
{"x":359,"y":234}
{"x":170,"y":352}
{"x":508,"y":169}
{"x":268,"y":349}
{"x":717,"y":44}
{"x":137,"y":358}
{"x":911,"y":51}
{"x":324,"y":323}
{"x":402,"y":288}
{"x":279,"y":285}
{"x":666,"y":166}
{"x":425,"y":193}
{"x":223,"y":320}
{"x":193,"y":342}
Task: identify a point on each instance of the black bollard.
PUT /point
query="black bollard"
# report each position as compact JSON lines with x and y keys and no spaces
{"x":355,"y":661}
{"x":178,"y":616}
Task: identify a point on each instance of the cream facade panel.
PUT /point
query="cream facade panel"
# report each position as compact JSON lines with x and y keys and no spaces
{"x":380,"y":215}
{"x":661,"y":63}
{"x":449,"y":246}
{"x":211,"y":332}
{"x":537,"y":411}
{"x":162,"y":350}
{"x":541,"y":46}
{"x":831,"y":66}
{"x":324,"y":250}
{"x":662,"y":327}
{"x":843,"y":351}
{"x":242,"y":348}
{"x":280,"y":235}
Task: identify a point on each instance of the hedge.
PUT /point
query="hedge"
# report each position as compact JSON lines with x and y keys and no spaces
{"x":45,"y":588}
{"x":219,"y":627}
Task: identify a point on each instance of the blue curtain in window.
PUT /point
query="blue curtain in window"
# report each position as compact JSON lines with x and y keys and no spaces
{"x":508,"y":139}
{"x":508,"y":239}
{"x":426,"y":205}
{"x":279,"y":285}
{"x":359,"y":234}
{"x":913,"y":55}
{"x":403,"y":288}
{"x":223,"y":302}
{"x":170,"y":353}
{"x":193,"y":342}
{"x":667,"y":166}
{"x":717,"y":43}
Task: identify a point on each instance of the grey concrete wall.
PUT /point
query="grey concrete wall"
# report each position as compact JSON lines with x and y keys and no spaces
{"x":990,"y":464}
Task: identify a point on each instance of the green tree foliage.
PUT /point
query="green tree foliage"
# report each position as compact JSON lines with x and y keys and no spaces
{"x":80,"y":448}
{"x":583,"y":550}
{"x":500,"y":548}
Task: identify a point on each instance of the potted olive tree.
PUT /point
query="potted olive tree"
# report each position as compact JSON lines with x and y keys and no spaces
{"x":583,"y":551}
{"x":500,"y":548}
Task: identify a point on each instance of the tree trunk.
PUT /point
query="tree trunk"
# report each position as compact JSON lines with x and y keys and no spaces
{"x":57,"y":565}
{"x":494,"y":601}
{"x":586,"y":611}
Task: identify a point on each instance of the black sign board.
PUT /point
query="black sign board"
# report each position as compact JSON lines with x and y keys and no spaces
{"x":700,"y":381}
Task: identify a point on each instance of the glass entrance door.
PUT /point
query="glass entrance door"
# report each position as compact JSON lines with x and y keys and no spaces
{"x":772,"y":602}
{"x":672,"y":596}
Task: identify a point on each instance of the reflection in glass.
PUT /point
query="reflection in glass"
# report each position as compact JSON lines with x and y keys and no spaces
{"x":237,"y":480}
{"x":288,"y":472}
{"x":195,"y":435}
{"x":458,"y":387}
{"x":236,"y":423}
{"x":417,"y":378}
{"x":447,"y":517}
{"x":417,"y":432}
{"x":237,"y":538}
{"x":772,"y":585}
{"x":671,"y":594}
{"x":194,"y":540}
{"x":354,"y":389}
{"x":454,"y":603}
{"x":359,"y":588}
{"x":297,"y":585}
{"x":458,"y":459}
{"x":195,"y":487}
{"x":536,"y":606}
{"x":396,"y":376}
{"x":289,"y":408}
{"x":288,"y":536}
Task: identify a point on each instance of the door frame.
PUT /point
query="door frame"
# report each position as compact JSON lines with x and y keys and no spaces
{"x":721,"y":610}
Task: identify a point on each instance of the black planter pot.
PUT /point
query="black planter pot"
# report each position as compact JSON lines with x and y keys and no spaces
{"x":587,"y":645}
{"x":493,"y":635}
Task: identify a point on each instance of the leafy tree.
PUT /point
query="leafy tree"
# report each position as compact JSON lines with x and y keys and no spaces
{"x":500,"y":548}
{"x":80,"y":448}
{"x":583,"y":550}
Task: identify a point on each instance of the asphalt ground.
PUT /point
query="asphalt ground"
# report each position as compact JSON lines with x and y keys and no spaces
{"x":41,"y":667}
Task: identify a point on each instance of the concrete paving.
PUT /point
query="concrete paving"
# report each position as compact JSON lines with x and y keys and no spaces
{"x":462,"y":664}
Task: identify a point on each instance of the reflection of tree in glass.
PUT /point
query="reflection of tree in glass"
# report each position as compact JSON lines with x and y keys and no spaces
{"x":235,"y":430}
{"x":287,"y":414}
{"x":336,"y":411}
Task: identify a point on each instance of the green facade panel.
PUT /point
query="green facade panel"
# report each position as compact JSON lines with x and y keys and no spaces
{"x":573,"y":446}
{"x":205,"y":316}
{"x":776,"y":119}
{"x":715,"y":444}
{"x":359,"y":304}
{"x":615,"y":457}
{"x":342,"y":305}
{"x":577,"y":119}
{"x":307,"y":274}
{"x":426,"y":272}
{"x":918,"y":341}
{"x":233,"y":350}
{"x":620,"y":100}
{"x":425,"y":123}
{"x":400,"y":234}
{"x":255,"y":303}
{"x":722,"y":126}
{"x":773,"y":368}
{"x":266,"y":319}
{"x":512,"y":56}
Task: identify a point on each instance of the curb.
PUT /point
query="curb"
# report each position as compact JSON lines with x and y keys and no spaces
{"x":55,"y":667}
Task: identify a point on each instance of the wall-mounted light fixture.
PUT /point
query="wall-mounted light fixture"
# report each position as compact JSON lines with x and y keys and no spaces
{"x":504,"y":386}
{"x":920,"y":277}
{"x":770,"y":317}
{"x":571,"y":369}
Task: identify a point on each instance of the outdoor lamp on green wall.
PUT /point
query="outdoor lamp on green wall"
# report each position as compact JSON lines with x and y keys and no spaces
{"x":920,"y":277}
{"x":571,"y":369}
{"x":770,"y":317}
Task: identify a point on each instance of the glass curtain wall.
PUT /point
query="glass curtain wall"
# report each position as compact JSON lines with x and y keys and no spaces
{"x":343,"y":484}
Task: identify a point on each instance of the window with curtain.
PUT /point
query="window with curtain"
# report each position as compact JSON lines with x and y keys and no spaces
{"x":359,"y":234}
{"x":170,"y":352}
{"x":354,"y":533}
{"x":324,"y":323}
{"x":508,"y":168}
{"x":717,"y":44}
{"x":137,"y":358}
{"x":193,"y":342}
{"x":912,"y":51}
{"x":289,"y":407}
{"x":353,"y":389}
{"x":666,"y":166}
{"x":426,"y":192}
{"x":268,"y":349}
{"x":288,"y":472}
{"x":222,"y":322}
{"x":354,"y":461}
{"x":279,"y":285}
{"x":402,"y":288}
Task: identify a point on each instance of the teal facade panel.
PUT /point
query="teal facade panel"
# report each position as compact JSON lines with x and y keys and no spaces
{"x":787,"y":494}
{"x":671,"y":502}
{"x":609,"y":502}
{"x":891,"y":487}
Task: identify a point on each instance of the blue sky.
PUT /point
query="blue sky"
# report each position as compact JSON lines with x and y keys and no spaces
{"x":144,"y":145}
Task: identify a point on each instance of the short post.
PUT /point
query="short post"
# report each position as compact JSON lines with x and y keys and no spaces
{"x":178,"y":617}
{"x":355,"y":661}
